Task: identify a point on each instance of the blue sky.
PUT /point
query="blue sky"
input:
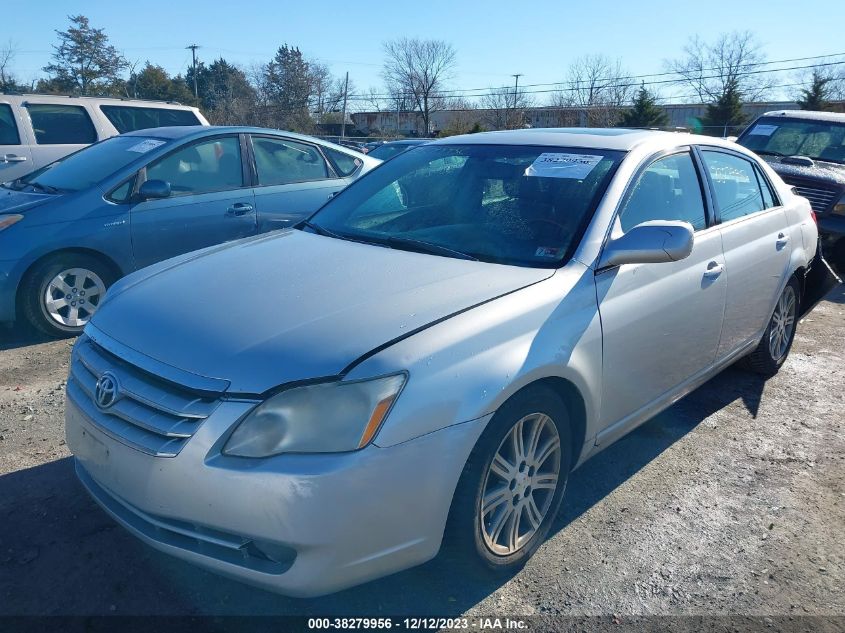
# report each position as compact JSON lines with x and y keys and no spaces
{"x":493,"y":38}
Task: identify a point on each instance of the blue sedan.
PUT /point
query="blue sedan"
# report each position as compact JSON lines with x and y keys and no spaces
{"x":69,"y":230}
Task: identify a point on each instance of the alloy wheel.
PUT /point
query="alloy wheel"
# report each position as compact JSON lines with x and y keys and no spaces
{"x":783,"y":323}
{"x":72,"y":296}
{"x":520,"y":484}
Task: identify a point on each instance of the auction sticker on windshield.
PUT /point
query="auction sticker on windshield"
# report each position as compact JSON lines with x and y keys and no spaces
{"x":560,"y":165}
{"x":145,"y":146}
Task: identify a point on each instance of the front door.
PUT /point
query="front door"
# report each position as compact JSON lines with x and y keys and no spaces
{"x":661,"y":322}
{"x":294,"y":180}
{"x":209,"y":203}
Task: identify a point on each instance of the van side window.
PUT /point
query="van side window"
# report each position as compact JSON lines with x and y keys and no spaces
{"x":668,"y":189}
{"x":735,"y":184}
{"x":55,"y":124}
{"x":8,"y":127}
{"x":130,"y":118}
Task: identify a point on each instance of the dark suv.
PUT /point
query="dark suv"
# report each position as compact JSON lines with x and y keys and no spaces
{"x":807,"y":150}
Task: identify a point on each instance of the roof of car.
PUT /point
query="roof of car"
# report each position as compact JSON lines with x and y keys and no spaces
{"x":812,"y":115}
{"x":184,"y":131}
{"x":597,"y":138}
{"x":409,"y":141}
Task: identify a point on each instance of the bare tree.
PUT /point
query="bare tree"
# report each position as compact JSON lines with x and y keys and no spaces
{"x":505,"y":109}
{"x":7,"y":55}
{"x":598,"y":87}
{"x":418,"y":69}
{"x":732,"y":60}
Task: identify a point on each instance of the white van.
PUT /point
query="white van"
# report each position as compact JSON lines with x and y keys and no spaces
{"x":35,"y":130}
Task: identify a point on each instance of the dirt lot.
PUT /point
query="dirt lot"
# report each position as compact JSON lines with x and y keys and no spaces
{"x":732,"y":501}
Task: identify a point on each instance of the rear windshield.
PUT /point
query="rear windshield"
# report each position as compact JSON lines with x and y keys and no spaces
{"x":129,"y":118}
{"x":89,"y":166}
{"x":520,"y":205}
{"x":778,"y":136}
{"x":388,"y":150}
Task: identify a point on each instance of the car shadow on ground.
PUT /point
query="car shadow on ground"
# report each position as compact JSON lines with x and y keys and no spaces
{"x":20,"y":335}
{"x":60,"y":554}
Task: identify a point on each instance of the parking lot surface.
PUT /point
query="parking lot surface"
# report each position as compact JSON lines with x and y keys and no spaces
{"x":730,"y":502}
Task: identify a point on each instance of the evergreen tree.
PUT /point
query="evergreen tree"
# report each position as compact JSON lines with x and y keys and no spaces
{"x":288,"y":85}
{"x":153,"y":82}
{"x":816,"y":97}
{"x":84,"y":62}
{"x":644,"y":112}
{"x":725,"y":117}
{"x":225,"y":94}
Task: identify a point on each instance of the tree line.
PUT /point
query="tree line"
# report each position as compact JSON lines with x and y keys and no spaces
{"x":291,"y":91}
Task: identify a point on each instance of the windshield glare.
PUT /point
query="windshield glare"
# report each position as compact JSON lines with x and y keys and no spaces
{"x":820,"y":140}
{"x":91,"y":165}
{"x":521,"y":205}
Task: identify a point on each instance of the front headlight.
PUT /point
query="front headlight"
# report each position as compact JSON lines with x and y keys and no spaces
{"x":323,"y":418}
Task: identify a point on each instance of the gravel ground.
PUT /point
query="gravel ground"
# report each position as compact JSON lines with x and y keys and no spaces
{"x":730,"y":502}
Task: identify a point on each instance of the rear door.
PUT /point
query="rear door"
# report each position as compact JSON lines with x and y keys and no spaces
{"x":15,"y":155}
{"x":58,"y":130}
{"x":661,"y":322}
{"x":755,"y":238}
{"x":293,"y":179}
{"x":211,"y":201}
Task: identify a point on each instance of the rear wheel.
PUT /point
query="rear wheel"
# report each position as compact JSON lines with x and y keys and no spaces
{"x":513,"y":483}
{"x":776,"y":343}
{"x":60,"y":295}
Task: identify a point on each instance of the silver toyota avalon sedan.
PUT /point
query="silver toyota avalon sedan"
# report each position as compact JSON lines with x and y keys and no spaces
{"x":424,"y":361}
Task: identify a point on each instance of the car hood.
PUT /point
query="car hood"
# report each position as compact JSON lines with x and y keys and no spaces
{"x":20,"y":201}
{"x":822,"y":171}
{"x":292,"y":306}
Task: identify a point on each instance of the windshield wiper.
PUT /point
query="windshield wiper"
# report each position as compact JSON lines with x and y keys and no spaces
{"x":319,"y":230}
{"x":38,"y":186}
{"x":427,"y":247}
{"x":768,"y":152}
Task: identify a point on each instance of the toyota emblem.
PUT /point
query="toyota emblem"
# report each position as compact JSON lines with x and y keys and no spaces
{"x":107,"y":390}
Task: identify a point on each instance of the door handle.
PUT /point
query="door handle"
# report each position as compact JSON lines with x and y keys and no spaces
{"x":238,"y":209}
{"x":783,"y":240}
{"x":12,"y":158}
{"x":714,"y":269}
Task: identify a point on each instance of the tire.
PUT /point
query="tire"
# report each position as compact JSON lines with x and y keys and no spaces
{"x":83,"y":279}
{"x":776,"y":343}
{"x":471,"y":533}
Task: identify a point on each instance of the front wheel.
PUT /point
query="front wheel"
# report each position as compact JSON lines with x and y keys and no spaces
{"x":513,"y":483}
{"x":776,"y":343}
{"x":60,"y":295}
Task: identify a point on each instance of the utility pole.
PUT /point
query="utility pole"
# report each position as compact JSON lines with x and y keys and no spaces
{"x":345,"y":94}
{"x":516,"y":77}
{"x":193,"y":48}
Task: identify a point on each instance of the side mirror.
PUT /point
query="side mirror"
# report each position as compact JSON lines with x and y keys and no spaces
{"x":651,"y":242}
{"x":154,"y":190}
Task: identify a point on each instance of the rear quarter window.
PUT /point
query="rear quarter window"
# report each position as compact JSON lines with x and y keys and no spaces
{"x":131,"y":118}
{"x":344,"y":164}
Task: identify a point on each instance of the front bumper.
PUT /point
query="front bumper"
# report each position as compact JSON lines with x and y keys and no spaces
{"x":329,"y":521}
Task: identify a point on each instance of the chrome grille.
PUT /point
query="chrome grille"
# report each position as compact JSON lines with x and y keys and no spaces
{"x":150,"y":415}
{"x":821,"y":198}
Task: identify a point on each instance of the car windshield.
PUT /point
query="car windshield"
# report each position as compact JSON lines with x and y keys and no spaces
{"x":820,"y":140}
{"x":389,"y":150}
{"x":89,"y":166}
{"x":510,"y":204}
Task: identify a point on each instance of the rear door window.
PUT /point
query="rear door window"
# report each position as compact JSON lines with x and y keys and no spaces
{"x":735,"y":185}
{"x":8,"y":128}
{"x":280,"y":161}
{"x":56,"y":124}
{"x":130,"y":118}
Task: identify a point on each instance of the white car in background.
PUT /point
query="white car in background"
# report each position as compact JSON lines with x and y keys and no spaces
{"x":36,"y":130}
